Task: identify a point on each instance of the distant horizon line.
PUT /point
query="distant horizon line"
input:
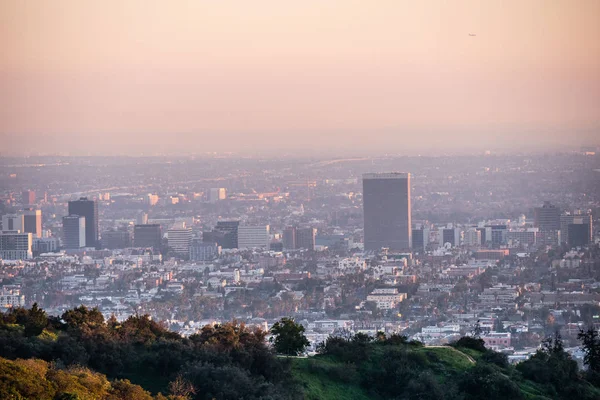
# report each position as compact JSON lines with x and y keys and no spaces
{"x":316,"y":154}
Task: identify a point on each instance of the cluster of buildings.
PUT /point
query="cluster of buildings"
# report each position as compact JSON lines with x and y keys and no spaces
{"x":340,"y":255}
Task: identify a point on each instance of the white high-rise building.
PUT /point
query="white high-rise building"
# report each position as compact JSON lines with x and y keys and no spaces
{"x":179,"y":238}
{"x":250,"y":237}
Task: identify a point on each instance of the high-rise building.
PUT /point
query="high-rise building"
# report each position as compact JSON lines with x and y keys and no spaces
{"x":580,"y":225}
{"x":148,"y":235}
{"x":483,"y":231}
{"x":15,"y":246}
{"x":217,"y":194}
{"x":498,"y":235}
{"x":225,"y":234}
{"x":420,"y":238}
{"x":449,"y":235}
{"x":88,"y":209}
{"x":28,"y":198}
{"x":250,"y":237}
{"x":387,"y":212}
{"x":305,"y":238}
{"x":289,"y":238}
{"x":179,"y":238}
{"x":13,"y":222}
{"x":32,"y":222}
{"x":472,"y":237}
{"x":547,"y":217}
{"x":74,"y":232}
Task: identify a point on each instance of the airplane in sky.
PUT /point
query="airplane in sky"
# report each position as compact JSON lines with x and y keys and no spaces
{"x":472,"y":34}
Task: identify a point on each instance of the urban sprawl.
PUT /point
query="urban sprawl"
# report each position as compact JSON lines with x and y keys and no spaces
{"x":503,"y":245}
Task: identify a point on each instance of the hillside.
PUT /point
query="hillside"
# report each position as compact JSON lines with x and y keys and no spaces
{"x":40,"y":380}
{"x":82,"y":356}
{"x":395,"y":369}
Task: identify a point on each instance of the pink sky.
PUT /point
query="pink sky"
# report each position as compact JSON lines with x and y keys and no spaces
{"x":118,"y":77}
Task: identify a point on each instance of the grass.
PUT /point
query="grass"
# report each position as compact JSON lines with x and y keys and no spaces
{"x":448,"y":356}
{"x":318,"y":386}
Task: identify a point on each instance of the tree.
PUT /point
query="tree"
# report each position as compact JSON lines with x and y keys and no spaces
{"x":590,"y":343}
{"x":288,"y":337}
{"x":477,"y":330}
{"x":36,"y":321}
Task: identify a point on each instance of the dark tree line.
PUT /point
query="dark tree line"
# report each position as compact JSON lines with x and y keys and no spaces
{"x":226,"y":361}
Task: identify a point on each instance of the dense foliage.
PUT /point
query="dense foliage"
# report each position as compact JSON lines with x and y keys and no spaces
{"x":225,"y":361}
{"x":81,"y":356}
{"x":288,"y":337}
{"x":37,"y":379}
{"x":394,"y":368}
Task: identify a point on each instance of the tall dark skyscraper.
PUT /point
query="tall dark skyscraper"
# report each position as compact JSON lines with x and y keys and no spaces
{"x":547,"y":217}
{"x":88,"y":209}
{"x":32,"y":222}
{"x":387,"y":213}
{"x":305,"y":238}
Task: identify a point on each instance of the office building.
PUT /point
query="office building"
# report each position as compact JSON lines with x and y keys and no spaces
{"x":217,"y":194}
{"x":74,"y":232}
{"x":305,"y":238}
{"x":251,"y":237}
{"x":522,"y":237}
{"x":472,"y":237}
{"x":44,"y":245}
{"x":13,"y":222}
{"x":498,"y":235}
{"x":201,"y":251}
{"x":420,"y":238}
{"x":547,"y":217}
{"x":28,"y":198}
{"x":15,"y":246}
{"x":148,"y":235}
{"x":179,"y":238}
{"x":88,"y":209}
{"x":548,"y":238}
{"x":578,"y":225}
{"x":387,"y":211}
{"x":483,"y":232}
{"x":32,"y":222}
{"x":225,"y":234}
{"x":116,"y":239}
{"x":289,"y":238}
{"x":449,"y":236}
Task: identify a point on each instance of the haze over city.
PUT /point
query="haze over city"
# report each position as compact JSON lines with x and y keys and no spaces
{"x":310,"y":77}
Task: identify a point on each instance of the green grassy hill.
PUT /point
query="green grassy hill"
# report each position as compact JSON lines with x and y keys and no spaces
{"x":377,"y":371}
{"x":323,"y":377}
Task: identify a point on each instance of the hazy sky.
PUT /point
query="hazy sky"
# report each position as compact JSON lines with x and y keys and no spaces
{"x":347,"y":76}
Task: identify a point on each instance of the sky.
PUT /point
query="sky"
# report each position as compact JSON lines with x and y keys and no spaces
{"x":312,"y":76}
